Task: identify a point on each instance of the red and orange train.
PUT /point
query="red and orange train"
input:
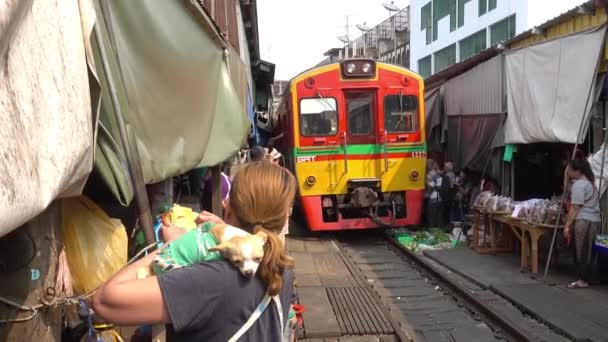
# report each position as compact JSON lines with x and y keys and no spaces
{"x":353,"y":134}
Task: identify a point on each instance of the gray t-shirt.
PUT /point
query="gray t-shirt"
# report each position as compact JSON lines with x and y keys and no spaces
{"x":211,"y":301}
{"x":583,"y":193}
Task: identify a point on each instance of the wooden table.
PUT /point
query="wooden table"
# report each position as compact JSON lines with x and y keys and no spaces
{"x":529,"y":243}
{"x":527,"y":233}
{"x":488,"y":219}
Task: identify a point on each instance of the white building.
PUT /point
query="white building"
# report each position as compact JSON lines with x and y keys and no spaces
{"x":444,"y":32}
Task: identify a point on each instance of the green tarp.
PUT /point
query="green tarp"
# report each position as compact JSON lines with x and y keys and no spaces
{"x":182,"y":91}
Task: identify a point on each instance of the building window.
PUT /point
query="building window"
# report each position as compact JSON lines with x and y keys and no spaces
{"x":486,"y":6}
{"x":453,"y":14}
{"x":445,"y":58}
{"x":492,"y":5}
{"x":502,"y":30}
{"x":426,"y":21}
{"x":461,"y":12}
{"x":472,"y":44}
{"x":425,"y":66}
{"x":483,"y":7}
{"x":441,"y":9}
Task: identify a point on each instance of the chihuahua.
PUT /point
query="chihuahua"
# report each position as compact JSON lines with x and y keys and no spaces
{"x":212,"y":242}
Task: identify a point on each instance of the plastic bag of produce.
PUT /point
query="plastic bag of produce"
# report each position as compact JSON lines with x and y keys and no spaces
{"x":95,"y":244}
{"x":482,"y":199}
{"x":538,"y":214}
{"x":504,"y":205}
{"x":555,"y":210}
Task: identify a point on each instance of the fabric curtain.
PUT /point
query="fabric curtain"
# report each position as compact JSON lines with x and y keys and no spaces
{"x":182,"y":91}
{"x":470,"y":139}
{"x":48,"y":106}
{"x":549,"y":85}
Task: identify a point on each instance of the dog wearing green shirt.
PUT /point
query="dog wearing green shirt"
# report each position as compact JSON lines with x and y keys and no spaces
{"x":212,"y":242}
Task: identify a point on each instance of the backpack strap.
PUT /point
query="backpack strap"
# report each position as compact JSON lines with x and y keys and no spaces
{"x":257,"y":313}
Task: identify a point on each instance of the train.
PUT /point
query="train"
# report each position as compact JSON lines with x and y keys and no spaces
{"x":353,"y":134}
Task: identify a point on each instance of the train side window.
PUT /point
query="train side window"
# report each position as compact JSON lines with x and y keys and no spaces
{"x":400,"y":113}
{"x":318,"y":117}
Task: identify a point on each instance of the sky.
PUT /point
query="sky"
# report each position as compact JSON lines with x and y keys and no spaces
{"x":294,"y":34}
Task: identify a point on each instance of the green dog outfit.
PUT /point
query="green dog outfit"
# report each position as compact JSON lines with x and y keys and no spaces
{"x":191,"y":248}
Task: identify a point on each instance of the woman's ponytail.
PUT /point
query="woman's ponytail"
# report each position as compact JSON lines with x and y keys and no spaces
{"x":274,"y":262}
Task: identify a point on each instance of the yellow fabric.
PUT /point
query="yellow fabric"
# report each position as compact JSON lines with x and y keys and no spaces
{"x":181,"y":216}
{"x":95,"y":244}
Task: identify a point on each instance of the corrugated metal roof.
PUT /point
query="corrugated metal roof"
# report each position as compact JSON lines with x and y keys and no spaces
{"x":461,"y":67}
{"x":479,"y":91}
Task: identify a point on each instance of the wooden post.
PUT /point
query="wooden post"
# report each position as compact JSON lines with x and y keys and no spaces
{"x":216,"y":186}
{"x":34,"y":249}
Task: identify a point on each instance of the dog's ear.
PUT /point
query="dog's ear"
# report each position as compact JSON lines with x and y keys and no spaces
{"x":222,"y":248}
{"x":262,"y":235}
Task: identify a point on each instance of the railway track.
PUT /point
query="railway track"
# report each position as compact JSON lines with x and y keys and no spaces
{"x":429,"y":304}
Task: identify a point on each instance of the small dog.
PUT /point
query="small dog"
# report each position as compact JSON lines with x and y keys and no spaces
{"x":212,"y":242}
{"x":244,"y":250}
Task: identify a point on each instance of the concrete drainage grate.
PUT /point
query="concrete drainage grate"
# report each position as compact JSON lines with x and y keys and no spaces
{"x":357,"y":312}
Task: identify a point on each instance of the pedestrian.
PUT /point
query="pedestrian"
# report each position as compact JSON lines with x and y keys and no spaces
{"x":225,"y":185}
{"x":583,"y":220}
{"x":448,"y":192}
{"x":434,"y":181}
{"x":211,"y":301}
{"x":257,"y":153}
{"x":463,"y":189}
{"x":274,"y":156}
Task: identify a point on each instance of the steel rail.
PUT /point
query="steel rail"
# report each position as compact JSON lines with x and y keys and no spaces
{"x":492,"y":315}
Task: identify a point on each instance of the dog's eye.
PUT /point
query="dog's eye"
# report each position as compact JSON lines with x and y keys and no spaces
{"x":257,"y":259}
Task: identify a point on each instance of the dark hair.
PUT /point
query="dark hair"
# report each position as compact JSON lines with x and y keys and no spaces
{"x":579,"y":154}
{"x":257,"y":153}
{"x":582,"y":165}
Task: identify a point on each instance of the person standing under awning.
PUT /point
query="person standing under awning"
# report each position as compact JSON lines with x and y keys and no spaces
{"x":584,"y":220}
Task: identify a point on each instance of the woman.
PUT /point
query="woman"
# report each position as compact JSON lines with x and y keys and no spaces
{"x":583,"y":218}
{"x":212,"y":301}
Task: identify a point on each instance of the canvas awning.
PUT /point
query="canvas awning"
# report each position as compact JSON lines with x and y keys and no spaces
{"x":48,"y":106}
{"x":434,"y":119}
{"x":550,"y":88}
{"x":182,"y":90}
{"x":475,"y":111}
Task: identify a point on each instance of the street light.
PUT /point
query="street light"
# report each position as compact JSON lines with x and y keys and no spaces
{"x":364,"y":29}
{"x":392,"y":8}
{"x":345,"y":40}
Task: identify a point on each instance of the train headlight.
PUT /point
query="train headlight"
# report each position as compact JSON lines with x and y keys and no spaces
{"x":366,"y":68}
{"x":350,"y":68}
{"x":311,"y":180}
{"x":358,"y":68}
{"x":414,"y":176}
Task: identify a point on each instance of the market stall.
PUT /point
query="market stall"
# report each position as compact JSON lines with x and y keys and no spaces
{"x":500,"y":220}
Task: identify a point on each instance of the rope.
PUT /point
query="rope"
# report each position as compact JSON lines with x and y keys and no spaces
{"x":60,"y":301}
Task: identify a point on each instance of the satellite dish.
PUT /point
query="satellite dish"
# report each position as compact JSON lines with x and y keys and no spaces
{"x":344,"y":39}
{"x":363,"y":27}
{"x":391,"y":7}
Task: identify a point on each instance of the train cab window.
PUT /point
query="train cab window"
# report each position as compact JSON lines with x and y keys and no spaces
{"x":400,"y":113}
{"x":319,"y":117}
{"x":360,"y":107}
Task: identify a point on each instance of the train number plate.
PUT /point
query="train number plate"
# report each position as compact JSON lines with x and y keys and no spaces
{"x":306,"y":159}
{"x":418,"y":154}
